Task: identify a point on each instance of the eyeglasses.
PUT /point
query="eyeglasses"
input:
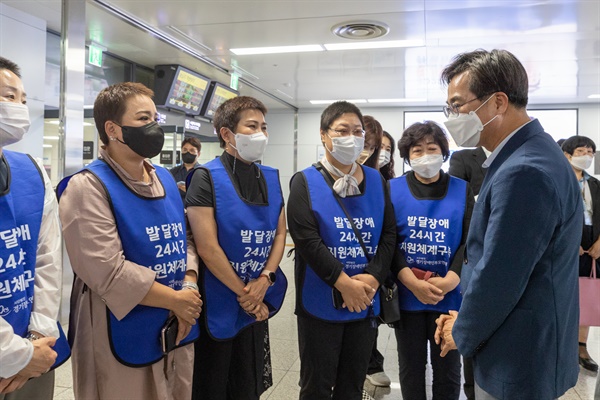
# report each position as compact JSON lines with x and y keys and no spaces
{"x":453,"y":109}
{"x":348,"y":132}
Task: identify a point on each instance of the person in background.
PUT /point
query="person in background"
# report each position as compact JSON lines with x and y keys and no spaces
{"x":373,"y":133}
{"x":124,"y":229}
{"x":560,"y":142}
{"x":236,"y":215}
{"x":190,"y":152}
{"x":386,"y":156}
{"x":375,"y":373}
{"x":336,"y":282}
{"x":433,"y":211}
{"x":467,"y":164}
{"x":580,"y":151}
{"x":519,"y":311}
{"x":30,"y":255}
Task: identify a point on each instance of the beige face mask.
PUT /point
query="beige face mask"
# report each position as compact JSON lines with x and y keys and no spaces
{"x":363,"y":156}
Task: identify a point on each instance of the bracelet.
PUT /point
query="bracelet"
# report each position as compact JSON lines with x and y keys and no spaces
{"x":189,"y":285}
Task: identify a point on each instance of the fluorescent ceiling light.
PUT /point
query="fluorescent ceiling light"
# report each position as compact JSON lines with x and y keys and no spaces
{"x":387,"y":44}
{"x":594,"y":96}
{"x":277,"y":49}
{"x":355,"y":101}
{"x":395,"y":100}
{"x":52,"y":121}
{"x":50,"y":137}
{"x":47,"y":146}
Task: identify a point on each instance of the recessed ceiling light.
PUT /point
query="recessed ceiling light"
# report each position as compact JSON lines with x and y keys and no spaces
{"x":355,"y":101}
{"x":50,"y":137}
{"x":594,"y":96}
{"x":395,"y":100}
{"x":277,"y":49}
{"x":387,"y":44}
{"x":47,"y":146}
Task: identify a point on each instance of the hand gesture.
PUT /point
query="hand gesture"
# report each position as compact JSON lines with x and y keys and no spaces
{"x":187,"y":305}
{"x":594,"y":251}
{"x":43,"y":358}
{"x":369,"y":280}
{"x":357,"y":295}
{"x":427,"y":293}
{"x":13,"y":383}
{"x":254,"y":293}
{"x":443,"y":332}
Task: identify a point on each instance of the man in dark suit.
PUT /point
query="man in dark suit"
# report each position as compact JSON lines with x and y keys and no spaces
{"x":519,"y":315}
{"x":467,"y":165}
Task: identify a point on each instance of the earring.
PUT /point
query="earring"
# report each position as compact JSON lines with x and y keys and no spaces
{"x":112,"y":138}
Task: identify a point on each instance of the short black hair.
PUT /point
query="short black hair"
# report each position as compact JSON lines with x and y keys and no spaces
{"x":5,"y":63}
{"x":490,"y":72}
{"x":336,"y":110}
{"x":570,"y":144}
{"x":419,"y":131}
{"x":229,"y":113}
{"x":193,"y":142}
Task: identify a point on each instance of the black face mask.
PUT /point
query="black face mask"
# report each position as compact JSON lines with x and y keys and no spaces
{"x":188,"y":158}
{"x":147,"y":140}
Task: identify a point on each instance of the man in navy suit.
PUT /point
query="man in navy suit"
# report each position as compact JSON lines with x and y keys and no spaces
{"x":520,"y":310}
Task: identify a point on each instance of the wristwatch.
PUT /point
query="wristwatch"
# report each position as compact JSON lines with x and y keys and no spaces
{"x":32,"y":336}
{"x":271,"y":277}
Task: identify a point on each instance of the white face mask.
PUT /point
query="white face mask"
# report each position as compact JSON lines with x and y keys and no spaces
{"x":466,"y":128}
{"x":14,"y":122}
{"x":581,"y":162}
{"x":250,"y":147}
{"x":346,"y":149}
{"x":384,"y":158}
{"x":428,"y":165}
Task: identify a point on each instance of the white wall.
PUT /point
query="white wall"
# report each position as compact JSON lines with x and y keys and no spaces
{"x":392,"y":120}
{"x":23,"y":41}
{"x":280,"y":151}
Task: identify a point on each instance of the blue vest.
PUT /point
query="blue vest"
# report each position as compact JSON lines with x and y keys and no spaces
{"x":21,"y":209}
{"x":367,"y":211}
{"x":245,"y":232}
{"x":428,"y":235}
{"x":152,"y":232}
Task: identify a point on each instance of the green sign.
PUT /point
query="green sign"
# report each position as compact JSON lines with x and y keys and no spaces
{"x":235,"y":78}
{"x":95,"y":57}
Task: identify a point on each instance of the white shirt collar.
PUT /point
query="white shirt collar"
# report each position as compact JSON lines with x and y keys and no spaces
{"x":496,"y":151}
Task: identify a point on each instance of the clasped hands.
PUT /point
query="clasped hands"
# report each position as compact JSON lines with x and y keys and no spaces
{"x":357,"y":291}
{"x":41,"y":361}
{"x":187,"y":308}
{"x":251,"y":300}
{"x":443,"y":332}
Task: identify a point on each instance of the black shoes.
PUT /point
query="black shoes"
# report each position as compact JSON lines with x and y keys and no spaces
{"x":587,"y":362}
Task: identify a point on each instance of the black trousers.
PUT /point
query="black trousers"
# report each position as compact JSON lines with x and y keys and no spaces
{"x":231,"y":369}
{"x":469,"y":386}
{"x":376,"y":360}
{"x":585,"y":261}
{"x":415,"y":330}
{"x":333,"y":358}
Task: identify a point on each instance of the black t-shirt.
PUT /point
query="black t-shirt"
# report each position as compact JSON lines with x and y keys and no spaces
{"x":436,"y":191}
{"x":3,"y":175}
{"x":247,"y":179}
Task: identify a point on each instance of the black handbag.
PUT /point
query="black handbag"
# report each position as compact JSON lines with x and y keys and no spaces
{"x":389,"y":312}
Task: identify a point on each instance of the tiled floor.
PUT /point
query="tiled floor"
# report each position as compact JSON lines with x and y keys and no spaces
{"x":286,"y":363}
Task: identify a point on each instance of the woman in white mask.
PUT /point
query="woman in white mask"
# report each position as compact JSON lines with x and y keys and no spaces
{"x":386,"y":156}
{"x":236,"y":216}
{"x":432,"y":214}
{"x":373,"y":134}
{"x":337,"y":276}
{"x":580,"y":151}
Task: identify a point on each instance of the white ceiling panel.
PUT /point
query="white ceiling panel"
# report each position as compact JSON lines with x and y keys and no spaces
{"x":558,"y":41}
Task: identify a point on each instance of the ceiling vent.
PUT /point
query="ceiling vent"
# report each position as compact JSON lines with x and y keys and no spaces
{"x":360,"y":30}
